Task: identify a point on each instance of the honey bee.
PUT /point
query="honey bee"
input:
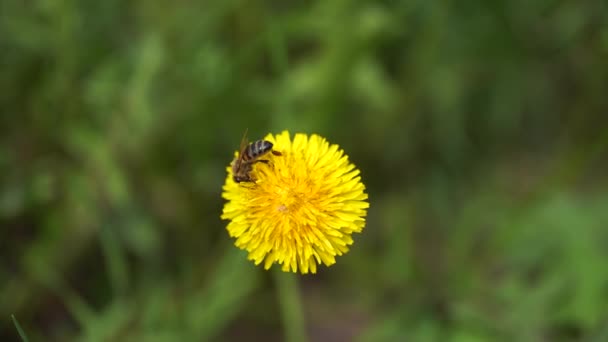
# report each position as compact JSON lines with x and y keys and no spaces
{"x":249,"y":154}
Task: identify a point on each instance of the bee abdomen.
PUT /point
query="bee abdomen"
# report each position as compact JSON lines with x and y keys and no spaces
{"x":258,"y":148}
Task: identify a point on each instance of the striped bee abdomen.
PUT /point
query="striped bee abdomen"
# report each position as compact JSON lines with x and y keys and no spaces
{"x":249,"y":154}
{"x":257,"y":148}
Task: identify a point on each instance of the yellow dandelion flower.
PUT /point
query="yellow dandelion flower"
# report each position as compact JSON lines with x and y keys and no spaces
{"x":302,"y":208}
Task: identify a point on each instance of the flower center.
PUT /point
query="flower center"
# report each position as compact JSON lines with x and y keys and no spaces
{"x":289,"y":201}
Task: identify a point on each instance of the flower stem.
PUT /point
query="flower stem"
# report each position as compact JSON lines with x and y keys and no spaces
{"x":292,"y":313}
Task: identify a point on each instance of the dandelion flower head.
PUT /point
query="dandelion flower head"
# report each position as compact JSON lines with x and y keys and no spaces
{"x":302,"y":208}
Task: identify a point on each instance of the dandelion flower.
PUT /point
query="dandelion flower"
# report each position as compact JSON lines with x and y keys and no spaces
{"x":302,"y":208}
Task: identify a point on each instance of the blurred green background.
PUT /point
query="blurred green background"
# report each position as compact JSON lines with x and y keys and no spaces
{"x":480,"y":128}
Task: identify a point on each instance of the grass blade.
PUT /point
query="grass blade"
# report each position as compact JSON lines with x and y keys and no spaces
{"x":19,"y":330}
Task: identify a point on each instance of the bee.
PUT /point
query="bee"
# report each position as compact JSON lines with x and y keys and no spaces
{"x":249,"y":154}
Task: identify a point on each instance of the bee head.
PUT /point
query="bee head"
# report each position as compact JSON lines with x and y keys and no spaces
{"x":239,"y":178}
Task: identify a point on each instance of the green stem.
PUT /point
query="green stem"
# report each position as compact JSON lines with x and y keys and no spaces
{"x":292,"y":313}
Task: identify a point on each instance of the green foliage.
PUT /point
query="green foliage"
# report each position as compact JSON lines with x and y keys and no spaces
{"x":19,"y":329}
{"x":480,"y":129}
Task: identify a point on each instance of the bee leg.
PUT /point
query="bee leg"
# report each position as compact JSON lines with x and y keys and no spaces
{"x":261,"y":161}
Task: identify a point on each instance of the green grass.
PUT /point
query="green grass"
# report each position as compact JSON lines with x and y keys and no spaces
{"x":22,"y":334}
{"x":480,"y":130}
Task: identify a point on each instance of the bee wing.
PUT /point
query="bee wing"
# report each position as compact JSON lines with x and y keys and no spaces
{"x":244,"y":142}
{"x":236,"y":164}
